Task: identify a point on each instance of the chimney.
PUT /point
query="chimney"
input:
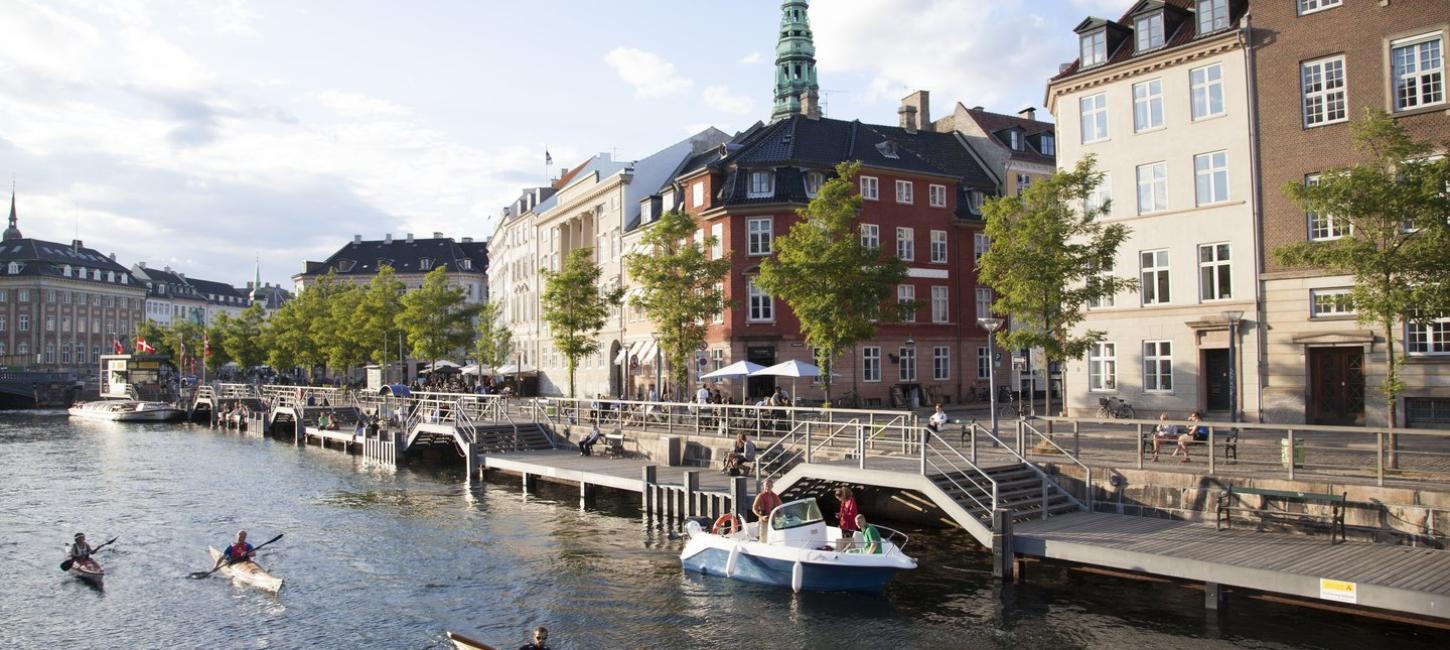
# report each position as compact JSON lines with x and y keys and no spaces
{"x":921,"y":101}
{"x":1028,"y":113}
{"x":977,"y":109}
{"x":357,"y":239}
{"x":181,"y":275}
{"x":468,"y":240}
{"x":76,"y":244}
{"x":410,"y":238}
{"x":113,"y":255}
{"x":141,"y":264}
{"x":388,"y":238}
{"x":908,"y":118}
{"x":437,"y":235}
{"x":811,"y":104}
{"x":168,"y":269}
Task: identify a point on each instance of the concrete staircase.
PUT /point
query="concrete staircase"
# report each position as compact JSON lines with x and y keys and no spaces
{"x":1020,"y":489}
{"x":500,"y":437}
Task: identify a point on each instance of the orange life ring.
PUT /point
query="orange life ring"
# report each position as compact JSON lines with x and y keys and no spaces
{"x":724,"y":519}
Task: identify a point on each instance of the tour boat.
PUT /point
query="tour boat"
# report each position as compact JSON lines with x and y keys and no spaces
{"x":800,"y":552}
{"x":124,"y":410}
{"x":464,"y":643}
{"x":248,"y":573}
{"x":88,"y":570}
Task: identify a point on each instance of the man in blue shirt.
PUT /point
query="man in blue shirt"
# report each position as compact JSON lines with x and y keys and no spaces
{"x":238,"y":551}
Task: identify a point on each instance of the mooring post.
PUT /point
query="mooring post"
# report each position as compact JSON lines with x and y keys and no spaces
{"x":1003,"y":557}
{"x":529,"y":482}
{"x":1213,"y":596}
{"x":649,"y":497}
{"x":739,"y":497}
{"x":692,"y":485}
{"x":586,"y":494}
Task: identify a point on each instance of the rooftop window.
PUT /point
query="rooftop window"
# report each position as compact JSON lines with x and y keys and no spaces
{"x":1094,"y":48}
{"x":1149,"y":30}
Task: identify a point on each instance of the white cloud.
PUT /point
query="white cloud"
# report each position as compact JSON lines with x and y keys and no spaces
{"x":751,"y":59}
{"x":1002,"y":60}
{"x":721,"y":99}
{"x":648,"y":73}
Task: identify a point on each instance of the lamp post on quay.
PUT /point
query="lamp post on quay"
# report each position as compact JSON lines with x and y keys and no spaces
{"x":1234,"y":317}
{"x":991,"y":324}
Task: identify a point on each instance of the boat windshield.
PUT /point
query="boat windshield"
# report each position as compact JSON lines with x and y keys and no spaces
{"x":797,"y":513}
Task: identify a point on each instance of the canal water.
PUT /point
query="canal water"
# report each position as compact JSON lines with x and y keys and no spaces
{"x":375,"y":558}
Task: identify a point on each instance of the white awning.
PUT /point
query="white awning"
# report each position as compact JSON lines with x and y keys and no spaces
{"x":623,"y":355}
{"x":647,"y":354}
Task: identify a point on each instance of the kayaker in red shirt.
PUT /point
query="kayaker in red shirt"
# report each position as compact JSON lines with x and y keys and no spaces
{"x":847,"y":514}
{"x":238,"y":551}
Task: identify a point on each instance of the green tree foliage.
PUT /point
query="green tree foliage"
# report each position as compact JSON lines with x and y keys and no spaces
{"x":155,"y":335}
{"x":1397,"y":248}
{"x":375,"y":320}
{"x":1048,"y":262}
{"x":495,"y":341}
{"x":216,"y":337}
{"x":576,"y":307}
{"x":339,"y":333}
{"x":242,"y":337}
{"x":284,"y":336}
{"x":183,"y":339}
{"x":298,"y":333}
{"x":437,"y":317}
{"x":835,"y":285}
{"x":680,"y":288}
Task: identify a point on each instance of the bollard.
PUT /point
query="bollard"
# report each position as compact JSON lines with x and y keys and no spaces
{"x":692,"y":485}
{"x":1003,"y":555}
{"x":739,"y":497}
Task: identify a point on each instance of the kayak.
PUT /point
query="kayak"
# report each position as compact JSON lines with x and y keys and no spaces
{"x":464,"y":643}
{"x":88,"y":570}
{"x":248,"y":573}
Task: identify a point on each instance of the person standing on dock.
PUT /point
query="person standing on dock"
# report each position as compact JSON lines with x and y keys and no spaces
{"x":765,"y":503}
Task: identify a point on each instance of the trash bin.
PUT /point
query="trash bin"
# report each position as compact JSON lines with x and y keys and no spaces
{"x":1284,"y":452}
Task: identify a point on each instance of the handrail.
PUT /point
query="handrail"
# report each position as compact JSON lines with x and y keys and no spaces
{"x":930,"y":442}
{"x":781,"y":451}
{"x":845,"y":425}
{"x":1043,"y":475}
{"x":1262,"y":426}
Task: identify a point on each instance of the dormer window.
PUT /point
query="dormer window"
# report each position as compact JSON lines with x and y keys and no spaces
{"x":65,"y":270}
{"x":646,"y":211}
{"x":975,"y":198}
{"x":1149,"y":30}
{"x":425,"y":264}
{"x":466,"y":264}
{"x":1049,"y":145}
{"x":14,"y":268}
{"x":888,"y":149}
{"x":1014,"y":140}
{"x":1094,"y":48}
{"x":1212,"y":16}
{"x":762,"y":184}
{"x":814,"y":181}
{"x":344,"y":266}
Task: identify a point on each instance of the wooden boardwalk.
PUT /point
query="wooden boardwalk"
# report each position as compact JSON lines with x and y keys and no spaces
{"x":1396,"y":578}
{"x":616,"y":473}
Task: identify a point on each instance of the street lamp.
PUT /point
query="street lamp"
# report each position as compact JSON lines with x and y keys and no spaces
{"x":991,"y":324}
{"x":1234,"y":317}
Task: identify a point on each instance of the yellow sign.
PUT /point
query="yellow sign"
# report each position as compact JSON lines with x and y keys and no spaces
{"x":1338,"y":591}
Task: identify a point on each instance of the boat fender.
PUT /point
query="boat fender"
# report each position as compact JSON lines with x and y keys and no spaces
{"x":720,"y":525}
{"x":734,"y":559}
{"x":797,"y":576}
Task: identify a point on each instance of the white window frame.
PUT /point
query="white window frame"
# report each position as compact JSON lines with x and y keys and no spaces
{"x":941,"y":363}
{"x":906,"y":293}
{"x":1156,"y":185}
{"x":1215,"y":273}
{"x":1110,"y":300}
{"x":1323,"y":227}
{"x":981,"y":243}
{"x":936,"y":195}
{"x":1206,"y":91}
{"x":984,"y":302}
{"x":870,"y":188}
{"x":1420,"y":77}
{"x":905,"y":192}
{"x":760,"y":241}
{"x":1336,"y":303}
{"x":906,"y":366}
{"x":1155,"y":277}
{"x":871,"y":364}
{"x":1093,"y":112}
{"x":1306,"y":7}
{"x":761,"y":305}
{"x":1103,"y":367}
{"x":938,"y":247}
{"x":762,"y":185}
{"x":1317,"y":86}
{"x":1143,"y":39}
{"x":1211,"y":15}
{"x":697,"y":193}
{"x":1210,"y":178}
{"x":871,"y":236}
{"x":1023,"y":182}
{"x":1148,"y":105}
{"x":984,"y":363}
{"x":814,"y":181}
{"x":1428,"y":339}
{"x":1158,"y":367}
{"x":940,"y":305}
{"x":906,"y":244}
{"x":1049,"y":144}
{"x":1101,"y":196}
{"x":1093,"y":48}
{"x":717,"y":247}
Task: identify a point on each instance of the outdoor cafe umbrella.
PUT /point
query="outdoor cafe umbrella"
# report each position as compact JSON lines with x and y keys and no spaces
{"x":737,"y":369}
{"x":793,"y":369}
{"x":474,"y":369}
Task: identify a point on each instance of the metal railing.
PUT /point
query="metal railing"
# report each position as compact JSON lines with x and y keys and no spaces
{"x":1023,"y":427}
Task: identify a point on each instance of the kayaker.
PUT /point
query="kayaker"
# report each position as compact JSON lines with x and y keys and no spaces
{"x":870,"y":535}
{"x":238,"y":551}
{"x":541,"y":639}
{"x":765,"y":503}
{"x":79,"y":549}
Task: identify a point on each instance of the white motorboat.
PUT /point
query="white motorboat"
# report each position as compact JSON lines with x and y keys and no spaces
{"x":124,"y":410}
{"x":800,"y":552}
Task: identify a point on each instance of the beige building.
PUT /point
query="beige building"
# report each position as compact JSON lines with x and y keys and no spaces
{"x":1161,"y":98}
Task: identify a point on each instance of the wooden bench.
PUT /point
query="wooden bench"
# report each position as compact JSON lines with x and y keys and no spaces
{"x":1230,"y":501}
{"x":1230,"y":443}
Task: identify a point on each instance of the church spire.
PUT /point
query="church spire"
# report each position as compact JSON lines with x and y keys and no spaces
{"x":795,"y":62}
{"x":13,"y":232}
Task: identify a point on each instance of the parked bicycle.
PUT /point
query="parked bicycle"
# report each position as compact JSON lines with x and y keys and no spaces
{"x":1012,"y":405}
{"x":1116,"y":408}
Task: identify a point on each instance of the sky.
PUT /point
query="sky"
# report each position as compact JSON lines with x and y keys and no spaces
{"x":214,"y":135}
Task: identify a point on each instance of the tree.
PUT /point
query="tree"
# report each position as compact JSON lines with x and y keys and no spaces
{"x":339,"y":335}
{"x":495,"y":341}
{"x":215,"y":335}
{"x":680,"y":287}
{"x":1393,"y":209}
{"x":437,"y":317}
{"x":832,"y":282}
{"x":576,"y":307}
{"x":154,"y":335}
{"x":184,"y":341}
{"x":242,"y":338}
{"x":1049,"y":260}
{"x":376,"y":316}
{"x":284,"y":336}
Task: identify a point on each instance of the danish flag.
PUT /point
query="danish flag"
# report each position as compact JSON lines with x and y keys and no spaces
{"x":141,"y":346}
{"x":119,"y":349}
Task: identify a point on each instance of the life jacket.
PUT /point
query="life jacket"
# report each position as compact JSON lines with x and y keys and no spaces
{"x":237,"y":552}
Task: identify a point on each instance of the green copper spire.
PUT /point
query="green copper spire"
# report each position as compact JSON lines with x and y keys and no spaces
{"x":795,"y":62}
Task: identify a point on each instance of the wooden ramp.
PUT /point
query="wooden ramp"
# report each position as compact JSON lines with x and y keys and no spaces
{"x":1396,"y":578}
{"x":617,"y":473}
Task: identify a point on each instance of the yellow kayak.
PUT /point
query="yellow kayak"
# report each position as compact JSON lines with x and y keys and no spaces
{"x":248,"y":573}
{"x":464,"y":643}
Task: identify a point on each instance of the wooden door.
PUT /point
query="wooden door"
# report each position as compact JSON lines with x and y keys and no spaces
{"x":1336,"y":386}
{"x":1215,"y":377}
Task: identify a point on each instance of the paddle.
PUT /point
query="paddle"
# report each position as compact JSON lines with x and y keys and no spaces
{"x":203,"y":574}
{"x":66,"y":565}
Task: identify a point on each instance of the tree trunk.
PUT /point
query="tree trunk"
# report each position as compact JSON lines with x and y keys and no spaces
{"x":1391,"y":392}
{"x":571,"y":365}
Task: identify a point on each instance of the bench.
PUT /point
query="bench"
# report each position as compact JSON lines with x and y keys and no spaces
{"x":1229,"y":502}
{"x":1230,"y":443}
{"x":614,"y":445}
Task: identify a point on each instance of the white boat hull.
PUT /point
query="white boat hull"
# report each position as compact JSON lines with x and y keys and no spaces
{"x":799,"y":568}
{"x":248,"y":573}
{"x":126,"y":411}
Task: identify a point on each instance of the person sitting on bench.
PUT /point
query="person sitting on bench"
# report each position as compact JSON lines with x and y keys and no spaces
{"x":1165,"y":432}
{"x":586,"y":446}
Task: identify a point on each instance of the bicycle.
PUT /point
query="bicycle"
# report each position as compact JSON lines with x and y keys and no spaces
{"x":1012,"y":405}
{"x":1115,"y":408}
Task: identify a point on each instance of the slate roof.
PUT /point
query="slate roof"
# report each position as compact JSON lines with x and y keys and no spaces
{"x":167,"y":285}
{"x":1186,"y":31}
{"x":363,"y":258}
{"x":270,"y":297}
{"x":38,"y":257}
{"x":996,"y":123}
{"x":658,"y":170}
{"x":219,"y":293}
